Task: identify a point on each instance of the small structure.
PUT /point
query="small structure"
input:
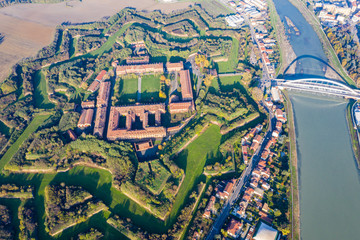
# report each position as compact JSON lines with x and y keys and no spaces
{"x":234,"y":20}
{"x":280,"y":115}
{"x":142,"y":146}
{"x":72,"y":135}
{"x":266,"y":232}
{"x":88,"y":104}
{"x":174,"y":67}
{"x":234,"y":228}
{"x":85,"y":119}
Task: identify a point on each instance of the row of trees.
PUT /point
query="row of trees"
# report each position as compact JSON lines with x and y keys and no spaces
{"x":27,"y":220}
{"x":347,"y":50}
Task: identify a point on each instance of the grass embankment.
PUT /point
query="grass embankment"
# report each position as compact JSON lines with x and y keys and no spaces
{"x":328,"y":49}
{"x":230,"y":65}
{"x":99,"y":184}
{"x":295,"y":200}
{"x":192,"y":159}
{"x":353,"y":132}
{"x":35,"y":123}
{"x":40,"y":94}
{"x":277,"y":24}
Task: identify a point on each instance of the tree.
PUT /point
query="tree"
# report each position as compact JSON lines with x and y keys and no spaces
{"x":257,"y":94}
{"x":277,"y":213}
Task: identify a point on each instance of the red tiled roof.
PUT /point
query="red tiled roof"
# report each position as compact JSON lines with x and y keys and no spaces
{"x":101,"y":76}
{"x":185,"y":81}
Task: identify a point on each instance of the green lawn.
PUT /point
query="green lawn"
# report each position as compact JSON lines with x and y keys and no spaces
{"x":40,"y":95}
{"x":230,"y":65}
{"x":150,"y":87}
{"x":192,"y":159}
{"x":36,"y":122}
{"x":127,"y":90}
{"x":230,"y":80}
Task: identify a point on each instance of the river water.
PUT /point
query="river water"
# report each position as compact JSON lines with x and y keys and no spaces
{"x":329,"y":179}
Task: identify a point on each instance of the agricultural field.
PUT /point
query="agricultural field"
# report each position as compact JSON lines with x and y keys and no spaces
{"x":214,"y":8}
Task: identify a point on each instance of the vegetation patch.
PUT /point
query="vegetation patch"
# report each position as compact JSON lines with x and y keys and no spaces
{"x":6,"y":231}
{"x":192,"y":159}
{"x":232,"y":61}
{"x":27,"y":220}
{"x":36,"y":122}
{"x":152,"y":176}
{"x":41,"y":95}
{"x":68,"y":205}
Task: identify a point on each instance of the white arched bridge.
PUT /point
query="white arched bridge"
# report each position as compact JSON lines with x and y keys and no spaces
{"x":320,"y":86}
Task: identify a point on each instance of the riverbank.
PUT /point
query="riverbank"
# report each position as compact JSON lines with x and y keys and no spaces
{"x":287,"y":54}
{"x":353,"y":132}
{"x":327,"y":47}
{"x":295,"y":213}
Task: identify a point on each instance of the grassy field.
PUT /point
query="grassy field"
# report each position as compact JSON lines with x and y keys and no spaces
{"x":229,"y":80}
{"x":154,"y":179}
{"x":40,"y":95}
{"x":150,"y":87}
{"x":230,"y":65}
{"x":36,"y":122}
{"x":214,"y":8}
{"x":192,"y":159}
{"x":128,"y":90}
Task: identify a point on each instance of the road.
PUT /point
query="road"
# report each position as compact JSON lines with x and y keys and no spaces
{"x":245,"y":176}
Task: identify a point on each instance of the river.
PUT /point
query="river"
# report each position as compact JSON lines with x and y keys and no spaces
{"x":329,"y":179}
